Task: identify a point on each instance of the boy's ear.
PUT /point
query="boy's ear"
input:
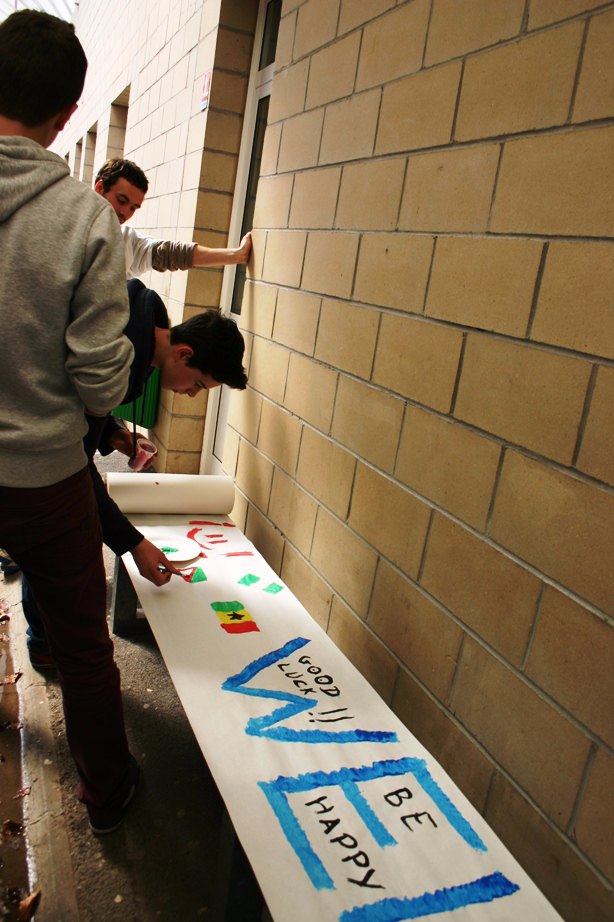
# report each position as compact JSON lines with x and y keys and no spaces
{"x":64,"y":116}
{"x":183,"y":353}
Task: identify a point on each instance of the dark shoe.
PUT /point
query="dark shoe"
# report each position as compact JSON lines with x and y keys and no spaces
{"x":102,"y":822}
{"x":42,"y":660}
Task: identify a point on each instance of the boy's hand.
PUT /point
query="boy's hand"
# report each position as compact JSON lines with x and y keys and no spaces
{"x":121,"y":440}
{"x":244,"y":249}
{"x":152,"y":563}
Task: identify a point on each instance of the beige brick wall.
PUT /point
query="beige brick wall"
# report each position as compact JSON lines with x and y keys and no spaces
{"x":427,"y":449}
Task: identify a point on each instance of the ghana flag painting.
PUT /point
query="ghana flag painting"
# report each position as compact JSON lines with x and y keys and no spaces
{"x":234,"y":619}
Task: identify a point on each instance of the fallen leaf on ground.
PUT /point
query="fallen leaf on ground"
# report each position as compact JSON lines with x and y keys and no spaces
{"x":28,"y":906}
{"x":12,"y":679}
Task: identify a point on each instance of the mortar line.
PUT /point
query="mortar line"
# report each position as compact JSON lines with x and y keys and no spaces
{"x":533,"y":628}
{"x":577,"y":75}
{"x":588,"y":398}
{"x":537,"y":289}
{"x":573,"y":819}
{"x":459,"y":371}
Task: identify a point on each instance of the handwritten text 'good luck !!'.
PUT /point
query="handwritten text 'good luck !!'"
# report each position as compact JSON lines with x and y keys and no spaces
{"x":265,"y":725}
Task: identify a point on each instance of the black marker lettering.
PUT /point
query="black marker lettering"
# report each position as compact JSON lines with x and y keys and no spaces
{"x":416,"y":817}
{"x":396,"y":797}
{"x":345,"y":840}
{"x":320,"y":801}
{"x":360,"y":859}
{"x":329,"y":825}
{"x":365,"y":881}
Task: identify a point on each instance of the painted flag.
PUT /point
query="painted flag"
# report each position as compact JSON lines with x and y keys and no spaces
{"x":193,"y":575}
{"x":234,"y":619}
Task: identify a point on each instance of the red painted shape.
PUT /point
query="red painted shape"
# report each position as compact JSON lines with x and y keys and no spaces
{"x":245,"y":627}
{"x":239,"y":554}
{"x":192,"y":534}
{"x":216,"y":524}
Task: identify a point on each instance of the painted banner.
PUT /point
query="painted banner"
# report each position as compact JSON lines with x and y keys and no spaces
{"x":343,"y":814}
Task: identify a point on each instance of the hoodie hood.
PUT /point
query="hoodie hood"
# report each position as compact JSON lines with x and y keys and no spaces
{"x":26,"y":170}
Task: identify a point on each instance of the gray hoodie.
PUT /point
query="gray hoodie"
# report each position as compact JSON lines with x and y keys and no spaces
{"x":63,"y":308}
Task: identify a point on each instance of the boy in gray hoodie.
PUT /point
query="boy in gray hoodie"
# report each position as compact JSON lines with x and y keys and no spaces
{"x":63,"y":308}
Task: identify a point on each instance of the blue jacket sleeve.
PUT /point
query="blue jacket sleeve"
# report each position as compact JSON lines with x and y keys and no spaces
{"x":111,"y":425}
{"x":118,"y":532}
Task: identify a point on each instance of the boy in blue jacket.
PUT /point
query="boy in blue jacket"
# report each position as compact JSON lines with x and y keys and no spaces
{"x":196,"y":355}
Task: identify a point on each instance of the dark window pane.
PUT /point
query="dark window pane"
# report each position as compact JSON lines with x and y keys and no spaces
{"x":269,"y":38}
{"x":250,"y":196}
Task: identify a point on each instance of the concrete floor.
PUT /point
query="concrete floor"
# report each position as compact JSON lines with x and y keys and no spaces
{"x":163,"y":862}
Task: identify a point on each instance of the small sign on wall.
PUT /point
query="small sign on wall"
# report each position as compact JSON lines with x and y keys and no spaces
{"x":204,"y":100}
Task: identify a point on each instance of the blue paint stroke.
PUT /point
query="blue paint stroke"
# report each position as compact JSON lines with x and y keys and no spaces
{"x":385,"y":769}
{"x":441,"y":800}
{"x":483,"y":890}
{"x":373,"y":823}
{"x":347,"y":779}
{"x":264,"y":726}
{"x":296,"y":837}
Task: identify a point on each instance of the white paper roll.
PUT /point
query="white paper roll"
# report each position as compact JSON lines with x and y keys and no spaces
{"x":169,"y":494}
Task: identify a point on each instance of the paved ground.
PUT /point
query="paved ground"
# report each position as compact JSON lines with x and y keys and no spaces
{"x":162,"y":864}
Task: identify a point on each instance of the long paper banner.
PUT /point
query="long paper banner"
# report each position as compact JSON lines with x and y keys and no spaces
{"x":343,"y":814}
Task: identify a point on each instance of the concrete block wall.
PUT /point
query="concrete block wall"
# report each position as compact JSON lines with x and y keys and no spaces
{"x":208,"y":175}
{"x":425,"y":449}
{"x":147,"y":64}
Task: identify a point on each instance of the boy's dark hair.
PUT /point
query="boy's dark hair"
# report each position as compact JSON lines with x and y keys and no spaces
{"x":42,"y":67}
{"x":116,"y":168}
{"x":218,"y":347}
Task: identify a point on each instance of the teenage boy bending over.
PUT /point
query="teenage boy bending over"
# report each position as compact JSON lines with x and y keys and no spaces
{"x":196,"y":355}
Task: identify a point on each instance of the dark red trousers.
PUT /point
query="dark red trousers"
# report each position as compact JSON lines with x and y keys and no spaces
{"x":53,"y":533}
